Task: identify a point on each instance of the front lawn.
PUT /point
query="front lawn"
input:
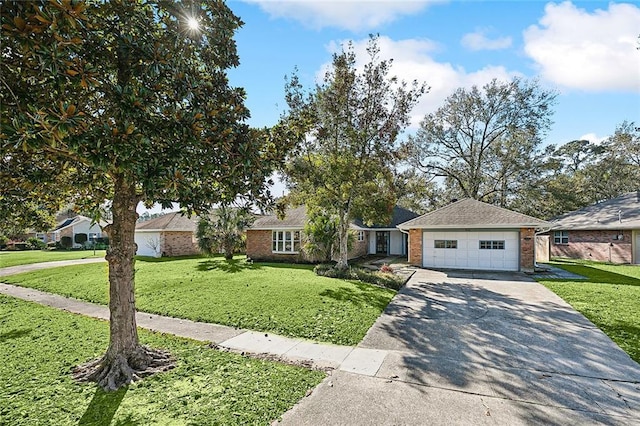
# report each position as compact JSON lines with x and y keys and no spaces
{"x":40,"y":345}
{"x":285,"y":299}
{"x":609,"y":297}
{"x":14,"y":258}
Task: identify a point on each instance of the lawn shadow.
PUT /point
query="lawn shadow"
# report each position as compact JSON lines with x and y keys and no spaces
{"x":365,"y":295}
{"x":103,"y":407}
{"x":229,"y":266}
{"x":14,"y":334}
{"x":594,"y":275}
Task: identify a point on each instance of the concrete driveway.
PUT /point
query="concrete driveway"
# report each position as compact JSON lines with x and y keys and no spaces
{"x":480,"y":348}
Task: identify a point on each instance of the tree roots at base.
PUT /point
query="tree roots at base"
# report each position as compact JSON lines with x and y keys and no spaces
{"x":113,"y":372}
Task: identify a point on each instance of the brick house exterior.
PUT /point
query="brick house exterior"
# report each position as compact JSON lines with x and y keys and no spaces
{"x":470,"y":234}
{"x":273,"y":239}
{"x":607,"y":232}
{"x":169,"y":235}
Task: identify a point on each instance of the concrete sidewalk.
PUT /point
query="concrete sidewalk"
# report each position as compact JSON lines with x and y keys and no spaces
{"x":318,"y":355}
{"x":18,"y":269}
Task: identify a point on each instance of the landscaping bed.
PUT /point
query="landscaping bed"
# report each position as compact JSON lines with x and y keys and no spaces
{"x":609,"y":297}
{"x":40,"y":345}
{"x":285,"y":299}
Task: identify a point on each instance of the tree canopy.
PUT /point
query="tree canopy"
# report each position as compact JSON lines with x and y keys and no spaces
{"x":125,"y":101}
{"x":483,"y":142}
{"x":348,"y":128}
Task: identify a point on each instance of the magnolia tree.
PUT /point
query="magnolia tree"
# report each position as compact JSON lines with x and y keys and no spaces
{"x":126,"y":101}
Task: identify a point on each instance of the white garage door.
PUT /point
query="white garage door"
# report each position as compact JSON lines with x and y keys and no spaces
{"x":489,"y":250}
{"x":148,"y":243}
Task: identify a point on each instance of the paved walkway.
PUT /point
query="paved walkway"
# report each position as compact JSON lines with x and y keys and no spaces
{"x":451,"y":348}
{"x":480,"y":348}
{"x":318,"y":355}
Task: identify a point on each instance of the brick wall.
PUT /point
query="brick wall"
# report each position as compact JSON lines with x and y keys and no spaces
{"x":178,"y":243}
{"x":360,"y":248}
{"x":595,"y":245}
{"x":415,"y":247}
{"x":259,"y":247}
{"x":527,"y":251}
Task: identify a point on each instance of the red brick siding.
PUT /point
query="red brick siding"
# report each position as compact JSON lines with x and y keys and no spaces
{"x":360,"y":248}
{"x":415,"y":247}
{"x":178,"y":243}
{"x":595,"y":245}
{"x":259,"y":247}
{"x":527,"y":251}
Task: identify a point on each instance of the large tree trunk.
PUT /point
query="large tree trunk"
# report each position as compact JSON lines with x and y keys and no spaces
{"x":126,"y":360}
{"x":343,"y":241}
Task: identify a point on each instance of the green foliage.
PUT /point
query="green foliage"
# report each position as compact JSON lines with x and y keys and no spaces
{"x":320,"y":236}
{"x":35,"y":244}
{"x":484,"y":142}
{"x":348,"y":128}
{"x":223,"y":230}
{"x":289,"y":300}
{"x":608,"y":298}
{"x":66,"y":242}
{"x":380,"y":278}
{"x":39,"y":346}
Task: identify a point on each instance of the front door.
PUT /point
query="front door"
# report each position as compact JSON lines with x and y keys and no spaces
{"x":382,"y":242}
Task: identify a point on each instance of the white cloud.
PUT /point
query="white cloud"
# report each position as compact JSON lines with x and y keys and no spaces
{"x":347,"y":14}
{"x":593,"y":138}
{"x":480,"y":40}
{"x":412,"y":60}
{"x":589,"y":51}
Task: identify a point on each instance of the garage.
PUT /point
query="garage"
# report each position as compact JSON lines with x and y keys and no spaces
{"x":484,"y":250}
{"x":471,"y":234}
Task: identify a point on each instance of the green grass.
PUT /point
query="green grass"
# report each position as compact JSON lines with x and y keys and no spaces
{"x":285,"y":299}
{"x":609,"y":297}
{"x":15,"y":258}
{"x":40,"y":345}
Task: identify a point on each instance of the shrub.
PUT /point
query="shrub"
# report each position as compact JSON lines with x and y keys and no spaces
{"x":66,"y":242}
{"x":35,"y":244}
{"x":382,"y":279}
{"x":386,"y":269}
{"x":80,"y":238}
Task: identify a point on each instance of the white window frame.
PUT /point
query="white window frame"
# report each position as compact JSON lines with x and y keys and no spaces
{"x":286,"y":241}
{"x":360,"y":235}
{"x":93,"y":236}
{"x":491,"y":244}
{"x":445,"y":244}
{"x":560,"y":237}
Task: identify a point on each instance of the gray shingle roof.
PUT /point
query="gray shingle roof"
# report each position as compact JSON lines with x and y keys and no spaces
{"x":295,"y":218}
{"x":400,"y":215}
{"x":469,"y":213}
{"x":604,"y":215}
{"x":168,"y":222}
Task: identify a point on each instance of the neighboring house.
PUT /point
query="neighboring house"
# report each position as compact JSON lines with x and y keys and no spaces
{"x":73,"y":228}
{"x":608,"y":231}
{"x":271,"y":238}
{"x":169,"y":235}
{"x":470,"y":234}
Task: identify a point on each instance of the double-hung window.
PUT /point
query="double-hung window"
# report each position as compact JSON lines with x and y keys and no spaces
{"x":561,"y":237}
{"x":286,"y":241}
{"x":360,"y":235}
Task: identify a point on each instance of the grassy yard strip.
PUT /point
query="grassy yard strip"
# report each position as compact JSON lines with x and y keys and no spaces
{"x":609,"y":297}
{"x":285,"y":299}
{"x":15,"y":258}
{"x":40,"y":345}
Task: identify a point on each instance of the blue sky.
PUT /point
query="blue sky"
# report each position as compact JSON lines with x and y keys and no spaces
{"x":585,"y":50}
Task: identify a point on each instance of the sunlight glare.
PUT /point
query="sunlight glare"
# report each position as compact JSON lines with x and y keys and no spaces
{"x":193,"y":24}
